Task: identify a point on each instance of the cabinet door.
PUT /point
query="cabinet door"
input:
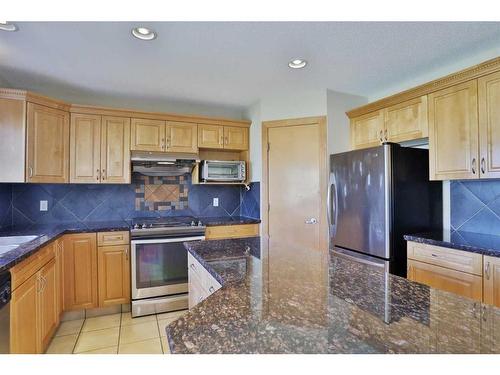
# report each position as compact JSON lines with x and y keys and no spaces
{"x":453,"y":133}
{"x":367,"y":130}
{"x":48,"y":311}
{"x":147,"y":135}
{"x":461,"y":283}
{"x":115,"y":150}
{"x":182,"y":137}
{"x":235,"y":138}
{"x":492,"y":280}
{"x":210,"y":136}
{"x":114,"y":275}
{"x":80,"y":271}
{"x":489,"y":125}
{"x":85,"y":148}
{"x":406,"y":121}
{"x":196,"y":292}
{"x":47,"y":145}
{"x":60,"y":275}
{"x":23,"y":318}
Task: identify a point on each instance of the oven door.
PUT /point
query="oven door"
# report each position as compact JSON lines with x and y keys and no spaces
{"x":159,"y":266}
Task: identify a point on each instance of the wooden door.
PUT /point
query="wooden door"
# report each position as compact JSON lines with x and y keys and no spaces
{"x":461,"y":283}
{"x":147,"y":135}
{"x":115,"y":150}
{"x":296,"y":183}
{"x":47,"y":145}
{"x":113,"y":275}
{"x":492,"y":280}
{"x":80,"y":271}
{"x":406,"y":121}
{"x":453,"y":133}
{"x":23,"y":318}
{"x":85,"y":148}
{"x":367,"y":130}
{"x":235,"y":138}
{"x":48,"y":310}
{"x":489,"y":125}
{"x":182,"y":137}
{"x":210,"y":136}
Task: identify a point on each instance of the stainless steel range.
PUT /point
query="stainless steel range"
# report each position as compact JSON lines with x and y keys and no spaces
{"x":159,"y":263}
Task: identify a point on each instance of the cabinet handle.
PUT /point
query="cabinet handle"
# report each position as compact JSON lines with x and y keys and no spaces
{"x":211,"y":289}
{"x":487,"y":270}
{"x":38,"y":284}
{"x":192,"y":266}
{"x":483,"y":166}
{"x":200,"y":299}
{"x":103,"y":174}
{"x":483,"y":313}
{"x":168,"y":142}
{"x":227,"y":141}
{"x":221,"y":140}
{"x":98,"y":175}
{"x":126,"y":253}
{"x":30,"y":171}
{"x":385,"y":133}
{"x":380,"y":137}
{"x":162,"y":144}
{"x":473,"y":165}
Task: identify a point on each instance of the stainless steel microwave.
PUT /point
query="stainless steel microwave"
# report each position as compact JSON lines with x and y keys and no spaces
{"x":222,"y":171}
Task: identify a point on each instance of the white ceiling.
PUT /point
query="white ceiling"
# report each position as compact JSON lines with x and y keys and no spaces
{"x":230,"y":64}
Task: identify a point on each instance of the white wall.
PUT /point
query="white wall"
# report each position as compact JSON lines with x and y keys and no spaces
{"x":338,"y":122}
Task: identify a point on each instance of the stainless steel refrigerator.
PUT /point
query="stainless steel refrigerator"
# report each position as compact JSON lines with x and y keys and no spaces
{"x":375,"y":197}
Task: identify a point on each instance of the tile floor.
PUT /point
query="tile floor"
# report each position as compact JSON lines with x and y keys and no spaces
{"x":114,"y":334}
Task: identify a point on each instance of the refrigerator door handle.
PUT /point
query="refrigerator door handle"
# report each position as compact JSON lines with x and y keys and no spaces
{"x":331,"y":203}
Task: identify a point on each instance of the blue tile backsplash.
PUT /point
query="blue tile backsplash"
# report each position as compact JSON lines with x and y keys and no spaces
{"x":475,"y":206}
{"x":20,"y":203}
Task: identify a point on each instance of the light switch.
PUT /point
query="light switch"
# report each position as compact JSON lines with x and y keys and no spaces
{"x":44,"y":205}
{"x":216,"y":202}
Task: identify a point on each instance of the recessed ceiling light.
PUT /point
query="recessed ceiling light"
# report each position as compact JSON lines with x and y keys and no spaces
{"x":143,"y":33}
{"x":7,"y":26}
{"x":297,"y":63}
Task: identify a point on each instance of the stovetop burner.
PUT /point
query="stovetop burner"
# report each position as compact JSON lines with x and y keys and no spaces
{"x":166,"y":226}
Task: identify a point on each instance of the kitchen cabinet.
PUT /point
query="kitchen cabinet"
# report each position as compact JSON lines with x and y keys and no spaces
{"x":201,"y":283}
{"x":489,"y":125}
{"x":100,"y":149}
{"x":48,"y":303}
{"x":231,"y":231}
{"x":80,"y":271}
{"x":367,"y":130}
{"x":113,"y":275}
{"x":235,"y":138}
{"x":60,"y":275}
{"x":492,"y":280}
{"x":47,"y":144}
{"x":147,"y":135}
{"x":13,"y":136}
{"x":406,"y":121}
{"x":454,"y":133}
{"x":210,"y":136}
{"x":181,"y":137}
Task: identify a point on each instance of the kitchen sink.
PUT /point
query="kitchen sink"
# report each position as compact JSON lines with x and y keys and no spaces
{"x":12,"y":242}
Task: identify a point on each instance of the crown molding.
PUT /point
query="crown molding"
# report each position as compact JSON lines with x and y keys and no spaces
{"x":474,"y":72}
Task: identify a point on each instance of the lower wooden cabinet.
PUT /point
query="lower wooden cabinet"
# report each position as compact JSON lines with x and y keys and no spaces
{"x":492,"y":280}
{"x":80,"y":271}
{"x":48,"y":306}
{"x":231,"y":231}
{"x":113,"y":275}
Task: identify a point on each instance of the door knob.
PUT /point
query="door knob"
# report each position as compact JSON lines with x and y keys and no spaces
{"x":312,"y":220}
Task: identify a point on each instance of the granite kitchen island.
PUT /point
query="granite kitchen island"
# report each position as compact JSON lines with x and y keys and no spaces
{"x":283,"y":300}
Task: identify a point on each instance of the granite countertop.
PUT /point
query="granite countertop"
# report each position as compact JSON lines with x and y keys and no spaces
{"x":467,"y":241}
{"x":233,"y":220}
{"x":284,"y":299}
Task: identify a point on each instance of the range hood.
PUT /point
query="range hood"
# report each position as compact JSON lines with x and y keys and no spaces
{"x":163,"y":164}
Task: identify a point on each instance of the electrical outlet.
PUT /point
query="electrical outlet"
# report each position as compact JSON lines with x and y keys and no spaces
{"x":216,"y":202}
{"x":44,"y":205}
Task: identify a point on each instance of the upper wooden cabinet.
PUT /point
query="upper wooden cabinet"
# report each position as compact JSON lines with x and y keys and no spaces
{"x":181,"y":137}
{"x":367,"y":130}
{"x":99,"y":149}
{"x":453,"y":133}
{"x":235,"y":138}
{"x":406,"y":121}
{"x":210,"y":136}
{"x":47,"y":144}
{"x":222,"y":137}
{"x":13,"y":136}
{"x":489,"y":125}
{"x":147,"y":135}
{"x":80,"y":271}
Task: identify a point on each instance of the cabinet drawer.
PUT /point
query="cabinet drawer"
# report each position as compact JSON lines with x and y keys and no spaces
{"x":112,"y":238}
{"x":232,"y":231}
{"x":28,"y":267}
{"x":461,"y":283}
{"x":448,"y":258}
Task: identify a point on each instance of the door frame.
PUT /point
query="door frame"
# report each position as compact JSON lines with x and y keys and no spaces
{"x":323,"y":173}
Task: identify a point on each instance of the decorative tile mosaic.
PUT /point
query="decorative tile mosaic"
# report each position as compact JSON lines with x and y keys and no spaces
{"x":158,"y":193}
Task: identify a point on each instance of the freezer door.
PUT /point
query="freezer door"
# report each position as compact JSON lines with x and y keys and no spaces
{"x":360,"y":201}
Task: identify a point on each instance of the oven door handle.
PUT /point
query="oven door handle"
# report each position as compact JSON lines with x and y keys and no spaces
{"x":166,"y":240}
